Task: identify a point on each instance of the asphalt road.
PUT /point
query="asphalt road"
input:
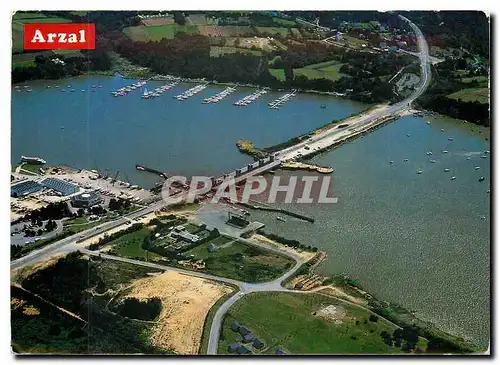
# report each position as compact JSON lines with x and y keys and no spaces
{"x":367,"y":118}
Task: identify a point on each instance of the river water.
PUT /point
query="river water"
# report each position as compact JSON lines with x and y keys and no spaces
{"x":422,"y":241}
{"x":97,"y":130}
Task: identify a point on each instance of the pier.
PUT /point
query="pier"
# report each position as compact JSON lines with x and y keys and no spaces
{"x":250,"y":98}
{"x":158,"y":91}
{"x":282,"y":100}
{"x":218,"y":97}
{"x":127,"y":89}
{"x":190,"y":92}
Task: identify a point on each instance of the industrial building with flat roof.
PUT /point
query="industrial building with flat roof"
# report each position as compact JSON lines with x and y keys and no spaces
{"x":86,"y":200}
{"x":24,"y":188}
{"x":60,"y":186}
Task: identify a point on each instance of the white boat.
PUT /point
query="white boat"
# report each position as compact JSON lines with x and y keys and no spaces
{"x":281,"y":219}
{"x":453,"y":178}
{"x":446,"y":170}
{"x":33,"y":160}
{"x":476,"y":168}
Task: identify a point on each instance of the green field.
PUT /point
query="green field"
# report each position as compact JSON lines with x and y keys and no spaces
{"x":237,"y":260}
{"x":273,"y":30}
{"x":216,"y":51}
{"x":481,"y":95}
{"x":285,"y":22}
{"x":278,"y":73}
{"x":324,"y":70}
{"x":130,"y":245}
{"x":158,"y":32}
{"x":288,"y":320}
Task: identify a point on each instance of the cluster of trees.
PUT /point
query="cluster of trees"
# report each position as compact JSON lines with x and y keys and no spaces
{"x":46,"y":68}
{"x":408,"y":333}
{"x":63,"y":283}
{"x":445,"y":81}
{"x":457,"y":29}
{"x":287,"y":241}
{"x":49,"y":227}
{"x":189,"y":56}
{"x":146,"y":310}
{"x":119,"y":204}
{"x":51,"y":211}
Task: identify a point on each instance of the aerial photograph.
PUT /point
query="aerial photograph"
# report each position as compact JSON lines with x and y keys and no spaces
{"x":226,"y":182}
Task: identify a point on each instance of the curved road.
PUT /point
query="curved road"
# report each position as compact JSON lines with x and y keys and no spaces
{"x":291,"y":152}
{"x":329,"y":136}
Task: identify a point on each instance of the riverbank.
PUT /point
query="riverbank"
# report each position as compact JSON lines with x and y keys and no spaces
{"x":294,"y":165}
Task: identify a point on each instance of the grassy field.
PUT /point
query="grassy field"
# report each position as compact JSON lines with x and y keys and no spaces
{"x":216,"y":51}
{"x":324,"y":70}
{"x":130,"y":245}
{"x":287,"y":320}
{"x":237,"y":260}
{"x":273,"y":30}
{"x":158,"y":32}
{"x":278,"y":73}
{"x":473,"y":94}
{"x":284,"y":22}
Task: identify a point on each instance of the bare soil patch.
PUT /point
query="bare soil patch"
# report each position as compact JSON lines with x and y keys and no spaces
{"x":186,"y":301}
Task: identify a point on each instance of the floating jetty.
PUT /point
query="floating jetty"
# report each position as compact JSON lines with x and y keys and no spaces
{"x":282,"y":100}
{"x":249,"y":98}
{"x":158,"y":91}
{"x":193,"y":91}
{"x":127,"y":89}
{"x":218,"y":97}
{"x":149,"y":169}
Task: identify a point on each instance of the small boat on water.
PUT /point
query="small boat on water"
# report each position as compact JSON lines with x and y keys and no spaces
{"x":407,"y":134}
{"x":450,"y":139}
{"x":477,"y":168}
{"x":446,"y":170}
{"x":429,"y":153}
{"x":281,"y":219}
{"x":453,"y":178}
{"x":323,"y":106}
{"x":428,"y":123}
{"x":481,"y":178}
{"x":445,"y":151}
{"x":484,"y":156}
{"x":432,"y":161}
{"x":442,"y":130}
{"x":405,"y":160}
{"x":391,"y":162}
{"x":468,"y":158}
{"x":419,"y":172}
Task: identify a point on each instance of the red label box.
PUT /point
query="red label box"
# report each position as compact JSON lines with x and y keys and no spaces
{"x":59,"y":36}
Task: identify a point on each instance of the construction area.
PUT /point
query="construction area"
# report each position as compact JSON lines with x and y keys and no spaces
{"x":185,"y":302}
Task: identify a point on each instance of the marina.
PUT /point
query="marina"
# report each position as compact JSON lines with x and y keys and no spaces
{"x":191,"y":92}
{"x":218,"y":97}
{"x":125,"y":90}
{"x":158,"y":91}
{"x":250,"y":98}
{"x":282,"y":100}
